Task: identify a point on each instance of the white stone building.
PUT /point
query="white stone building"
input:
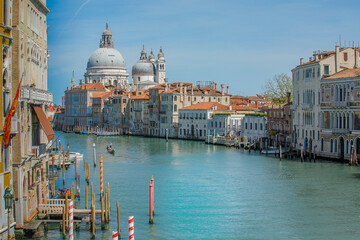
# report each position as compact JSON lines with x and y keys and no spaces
{"x":194,"y":119}
{"x":340,"y":114}
{"x":148,"y":72}
{"x":226,"y":123}
{"x":307,"y":93}
{"x":253,"y":127}
{"x":106,"y":64}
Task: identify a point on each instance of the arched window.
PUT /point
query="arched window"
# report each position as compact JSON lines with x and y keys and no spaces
{"x":175,"y":108}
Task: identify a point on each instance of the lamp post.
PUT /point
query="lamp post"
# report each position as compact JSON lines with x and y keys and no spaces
{"x":8,"y":197}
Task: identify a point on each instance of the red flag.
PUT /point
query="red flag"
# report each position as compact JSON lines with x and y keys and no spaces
{"x":10,"y":114}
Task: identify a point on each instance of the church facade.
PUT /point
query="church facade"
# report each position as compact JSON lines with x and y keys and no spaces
{"x":106,"y":65}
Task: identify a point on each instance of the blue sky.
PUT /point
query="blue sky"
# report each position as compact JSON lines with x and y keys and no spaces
{"x":235,"y":42}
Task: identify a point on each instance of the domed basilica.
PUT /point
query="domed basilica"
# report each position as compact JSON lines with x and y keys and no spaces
{"x":106,"y":65}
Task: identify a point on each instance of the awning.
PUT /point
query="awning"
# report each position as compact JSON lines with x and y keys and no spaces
{"x":45,"y":123}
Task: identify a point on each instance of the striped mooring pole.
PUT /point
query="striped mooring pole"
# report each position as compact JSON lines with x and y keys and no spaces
{"x":115,"y":235}
{"x":71,"y":221}
{"x":131,"y":228}
{"x":101,"y":175}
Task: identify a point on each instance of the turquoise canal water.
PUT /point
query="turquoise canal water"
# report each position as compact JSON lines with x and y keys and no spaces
{"x":213,"y":192}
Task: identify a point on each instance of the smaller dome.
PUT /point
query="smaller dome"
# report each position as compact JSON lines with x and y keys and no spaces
{"x":151,"y":56}
{"x":143,"y":68}
{"x":161,"y":54}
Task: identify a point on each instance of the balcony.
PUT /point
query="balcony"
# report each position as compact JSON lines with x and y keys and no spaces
{"x":307,"y":106}
{"x":39,"y":150}
{"x":337,"y":104}
{"x":35,"y":95}
{"x":341,"y":131}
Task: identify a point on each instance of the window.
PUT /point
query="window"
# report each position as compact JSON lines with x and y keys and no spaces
{"x":175,"y":108}
{"x":345,"y":57}
{"x":175,"y":98}
{"x":261,"y":127}
{"x":326,"y":70}
{"x":246,"y":126}
{"x":255,"y":126}
{"x":250,"y":126}
{"x":189,"y":99}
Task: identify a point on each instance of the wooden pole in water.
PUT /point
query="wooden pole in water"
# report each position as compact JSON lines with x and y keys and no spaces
{"x":280,"y":152}
{"x":302,"y":154}
{"x":94,"y":154}
{"x":75,"y":168}
{"x":63,"y":221}
{"x":92,"y":193}
{"x":153,"y":195}
{"x":118,"y":218}
{"x":86,"y":196}
{"x":108,"y":204}
{"x":93,"y":219}
{"x":63,"y":170}
{"x":72,"y":193}
{"x":53,"y":166}
{"x":151,"y":217}
{"x":102,"y":210}
{"x":68,"y":151}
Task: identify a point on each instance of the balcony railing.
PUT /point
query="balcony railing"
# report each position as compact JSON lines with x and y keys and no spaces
{"x":307,"y":106}
{"x":39,"y":150}
{"x":341,"y":131}
{"x":337,"y":104}
{"x":35,"y":95}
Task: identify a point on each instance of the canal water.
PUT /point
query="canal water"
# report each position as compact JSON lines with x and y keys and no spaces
{"x":214,"y":192}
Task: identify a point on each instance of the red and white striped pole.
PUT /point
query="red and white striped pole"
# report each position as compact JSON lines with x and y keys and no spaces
{"x":71,"y":221}
{"x":131,"y":228}
{"x":115,"y":235}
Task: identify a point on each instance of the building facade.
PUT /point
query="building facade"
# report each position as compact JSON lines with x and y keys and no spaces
{"x":340,"y":114}
{"x":307,"y":93}
{"x":30,"y":146}
{"x":6,"y":95}
{"x":253,"y":126}
{"x":194,"y":119}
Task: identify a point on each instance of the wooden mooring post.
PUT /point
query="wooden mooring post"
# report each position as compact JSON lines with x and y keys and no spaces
{"x":118,"y":219}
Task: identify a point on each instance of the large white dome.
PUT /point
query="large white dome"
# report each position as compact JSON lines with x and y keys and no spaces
{"x":106,"y":58}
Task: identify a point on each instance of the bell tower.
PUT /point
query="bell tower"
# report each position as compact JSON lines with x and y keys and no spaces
{"x":160,"y":67}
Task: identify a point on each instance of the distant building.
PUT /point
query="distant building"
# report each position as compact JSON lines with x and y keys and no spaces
{"x":148,"y":72}
{"x":194,"y":119}
{"x":106,"y":65}
{"x":253,"y":126}
{"x":226,"y":123}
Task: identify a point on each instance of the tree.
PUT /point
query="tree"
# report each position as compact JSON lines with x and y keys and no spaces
{"x":277,"y":88}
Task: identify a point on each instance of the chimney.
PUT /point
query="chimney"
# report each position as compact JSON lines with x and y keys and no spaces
{"x":230,"y":107}
{"x":185,"y":90}
{"x":301,"y":61}
{"x":227,"y":89}
{"x":214,"y":107}
{"x":166,"y":80}
{"x":288,"y":95}
{"x":356,"y":54}
{"x":316,"y":57}
{"x":181,"y":88}
{"x":215,"y":85}
{"x":192,"y":89}
{"x":222,"y":89}
{"x":337,"y":59}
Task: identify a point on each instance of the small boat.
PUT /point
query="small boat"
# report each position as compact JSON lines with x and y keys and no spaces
{"x":78,"y":156}
{"x":61,"y":193}
{"x":110,"y":149}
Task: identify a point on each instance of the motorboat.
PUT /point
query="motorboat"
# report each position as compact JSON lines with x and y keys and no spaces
{"x":78,"y":156}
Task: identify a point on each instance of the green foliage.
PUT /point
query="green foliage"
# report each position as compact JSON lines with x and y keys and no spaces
{"x":277,"y":88}
{"x":256,"y":114}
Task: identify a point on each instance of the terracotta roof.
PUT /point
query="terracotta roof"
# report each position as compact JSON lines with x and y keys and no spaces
{"x":347,"y":73}
{"x":101,"y":94}
{"x":88,"y":86}
{"x":51,"y":108}
{"x":206,"y":106}
{"x":137,"y":95}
